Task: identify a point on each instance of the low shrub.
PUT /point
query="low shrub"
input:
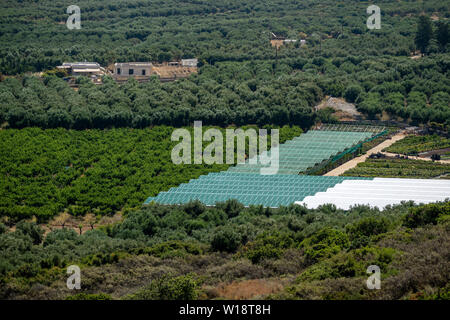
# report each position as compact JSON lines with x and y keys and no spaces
{"x":426,"y":214}
{"x":324,"y":243}
{"x":169,"y":288}
{"x":268,"y":246}
{"x":89,"y":296}
{"x":360,"y":233}
{"x":226,"y":240}
{"x":175,"y":248}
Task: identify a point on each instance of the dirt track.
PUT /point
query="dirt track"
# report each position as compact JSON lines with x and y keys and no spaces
{"x":354,"y":162}
{"x":389,"y":154}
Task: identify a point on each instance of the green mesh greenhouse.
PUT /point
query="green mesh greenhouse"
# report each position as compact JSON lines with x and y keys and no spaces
{"x":245,"y":183}
{"x":248,"y":188}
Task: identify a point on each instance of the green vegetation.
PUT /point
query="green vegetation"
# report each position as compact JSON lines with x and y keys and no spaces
{"x":412,"y":145}
{"x":84,"y":296}
{"x":398,"y":168}
{"x":104,"y":149}
{"x":168,"y":288}
{"x":244,"y":94}
{"x":430,"y":214}
{"x":45,"y":172}
{"x":424,"y":33}
{"x":155,"y":254}
{"x":34,"y":39}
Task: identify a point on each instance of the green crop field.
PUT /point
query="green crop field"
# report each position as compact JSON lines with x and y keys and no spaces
{"x":399,"y":168}
{"x":413,"y":145}
{"x":45,"y":172}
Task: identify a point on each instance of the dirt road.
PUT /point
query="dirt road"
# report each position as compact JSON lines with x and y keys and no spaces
{"x":389,"y":154}
{"x":354,"y":162}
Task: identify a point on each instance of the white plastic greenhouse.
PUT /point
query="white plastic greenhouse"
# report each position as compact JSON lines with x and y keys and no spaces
{"x":380,"y":192}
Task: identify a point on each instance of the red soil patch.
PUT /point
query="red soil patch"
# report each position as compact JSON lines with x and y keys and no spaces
{"x":249,"y":289}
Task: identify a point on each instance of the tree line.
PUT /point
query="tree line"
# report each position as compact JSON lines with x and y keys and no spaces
{"x":240,"y":93}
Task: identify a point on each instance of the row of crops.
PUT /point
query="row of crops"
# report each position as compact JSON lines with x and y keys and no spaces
{"x":396,"y":168}
{"x":44,"y":172}
{"x":413,"y":145}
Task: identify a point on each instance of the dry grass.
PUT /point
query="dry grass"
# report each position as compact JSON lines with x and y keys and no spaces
{"x":88,"y":222}
{"x":276,"y":43}
{"x":250,"y":289}
{"x":166,"y":71}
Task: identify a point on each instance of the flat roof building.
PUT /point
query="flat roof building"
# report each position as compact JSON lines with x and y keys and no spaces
{"x":189,"y":62}
{"x":82,"y":68}
{"x":132,"y":69}
{"x":138,"y":70}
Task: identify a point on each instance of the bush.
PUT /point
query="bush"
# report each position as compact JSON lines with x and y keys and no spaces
{"x":166,"y":288}
{"x":54,"y":261}
{"x":352,"y":93}
{"x":31,"y":229}
{"x":296,"y":224}
{"x":194,"y":208}
{"x":361,"y":232}
{"x":3,"y":228}
{"x":266,"y":251}
{"x":379,"y":256}
{"x":324,"y":244}
{"x":195,"y":224}
{"x":426,"y":214}
{"x":175,"y":248}
{"x":226,"y":240}
{"x":350,"y":264}
{"x":231,"y":207}
{"x":137,"y":224}
{"x":27,"y":271}
{"x":340,"y":266}
{"x":60,"y":235}
{"x":88,"y":296}
{"x":268,"y":246}
{"x":99,"y":259}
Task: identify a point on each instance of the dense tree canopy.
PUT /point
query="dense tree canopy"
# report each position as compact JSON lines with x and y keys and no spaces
{"x":424,"y":33}
{"x":242,"y":79}
{"x":100,"y":172}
